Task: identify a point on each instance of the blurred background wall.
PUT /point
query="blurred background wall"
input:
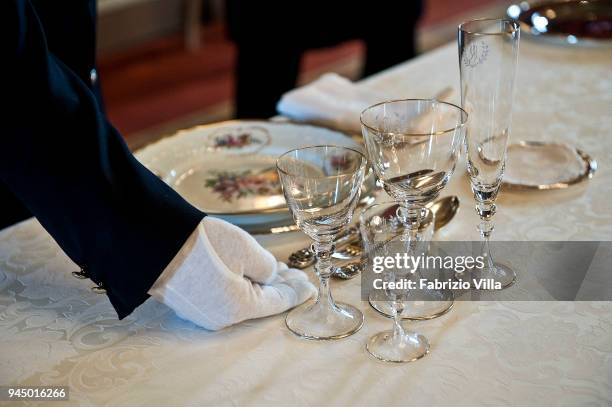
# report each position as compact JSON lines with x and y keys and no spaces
{"x":168,"y":64}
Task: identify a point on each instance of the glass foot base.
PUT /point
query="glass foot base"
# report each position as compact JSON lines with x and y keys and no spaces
{"x":500,"y":273}
{"x":407,"y":348}
{"x":434,"y":303}
{"x":312,"y":320}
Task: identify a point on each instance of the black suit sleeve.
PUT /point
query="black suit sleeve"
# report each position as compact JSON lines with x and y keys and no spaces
{"x":73,"y":171}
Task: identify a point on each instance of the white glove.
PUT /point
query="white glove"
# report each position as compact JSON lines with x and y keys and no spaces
{"x":222,"y":276}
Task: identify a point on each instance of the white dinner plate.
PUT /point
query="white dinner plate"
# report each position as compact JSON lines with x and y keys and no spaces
{"x":228,"y":169}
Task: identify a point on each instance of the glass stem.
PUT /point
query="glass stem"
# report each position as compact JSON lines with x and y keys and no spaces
{"x":486,"y":210}
{"x":323,"y":266}
{"x":398,"y":329}
{"x":411,"y":216}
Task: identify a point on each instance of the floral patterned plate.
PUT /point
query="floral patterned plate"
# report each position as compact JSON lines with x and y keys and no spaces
{"x":221,"y":186}
{"x":228,"y":169}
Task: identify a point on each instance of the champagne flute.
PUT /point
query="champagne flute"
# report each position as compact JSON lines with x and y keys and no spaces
{"x":488,"y":52}
{"x":322,"y":187}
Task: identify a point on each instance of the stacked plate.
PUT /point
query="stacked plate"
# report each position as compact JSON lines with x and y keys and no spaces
{"x":228,"y":169}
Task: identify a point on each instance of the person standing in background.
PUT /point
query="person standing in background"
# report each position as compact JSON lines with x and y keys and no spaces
{"x":272,"y":36}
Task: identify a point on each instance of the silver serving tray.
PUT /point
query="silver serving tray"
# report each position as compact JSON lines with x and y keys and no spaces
{"x":588,"y":164}
{"x":574,"y":23}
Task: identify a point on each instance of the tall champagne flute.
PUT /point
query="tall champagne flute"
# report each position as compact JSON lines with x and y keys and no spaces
{"x":413,"y":146}
{"x":322,"y":186}
{"x":488,"y":53}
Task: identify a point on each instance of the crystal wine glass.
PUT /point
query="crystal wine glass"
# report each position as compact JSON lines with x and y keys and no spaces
{"x":420,"y":304}
{"x":488,"y":52}
{"x":382,"y":232}
{"x":322,"y":186}
{"x":413,"y":146}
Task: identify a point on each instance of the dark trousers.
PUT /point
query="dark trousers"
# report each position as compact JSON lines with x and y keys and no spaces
{"x":271,"y":44}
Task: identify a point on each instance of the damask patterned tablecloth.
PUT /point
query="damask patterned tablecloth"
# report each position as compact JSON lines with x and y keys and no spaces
{"x":54,"y":331}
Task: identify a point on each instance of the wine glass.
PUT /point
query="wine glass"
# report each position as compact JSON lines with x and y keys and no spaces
{"x":413,"y":146}
{"x":383,"y":236}
{"x":420,"y":304}
{"x":322,"y":186}
{"x":488,"y":52}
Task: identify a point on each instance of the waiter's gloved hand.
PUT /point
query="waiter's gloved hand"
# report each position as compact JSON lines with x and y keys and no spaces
{"x":222,"y":276}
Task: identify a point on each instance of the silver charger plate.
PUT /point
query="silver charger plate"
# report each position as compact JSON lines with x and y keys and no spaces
{"x":535,"y":165}
{"x":575,"y":23}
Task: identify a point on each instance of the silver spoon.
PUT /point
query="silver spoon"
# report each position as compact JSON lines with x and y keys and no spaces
{"x":305,"y":257}
{"x":444,"y":210}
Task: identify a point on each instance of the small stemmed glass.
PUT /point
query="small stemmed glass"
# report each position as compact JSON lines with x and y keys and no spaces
{"x":383,"y":236}
{"x":488,"y":52}
{"x":413,"y":146}
{"x":322,"y":187}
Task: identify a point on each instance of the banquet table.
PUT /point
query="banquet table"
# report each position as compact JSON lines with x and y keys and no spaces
{"x":55,"y":331}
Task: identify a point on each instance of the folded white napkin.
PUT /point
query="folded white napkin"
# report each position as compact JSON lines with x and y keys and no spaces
{"x":222,"y":276}
{"x":331,"y":100}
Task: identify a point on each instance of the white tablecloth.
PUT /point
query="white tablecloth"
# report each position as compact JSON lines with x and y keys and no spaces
{"x":54,"y":331}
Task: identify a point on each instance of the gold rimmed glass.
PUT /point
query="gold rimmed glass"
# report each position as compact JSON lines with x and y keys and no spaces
{"x":413,"y":146}
{"x":488,"y":53}
{"x":322,"y":185}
